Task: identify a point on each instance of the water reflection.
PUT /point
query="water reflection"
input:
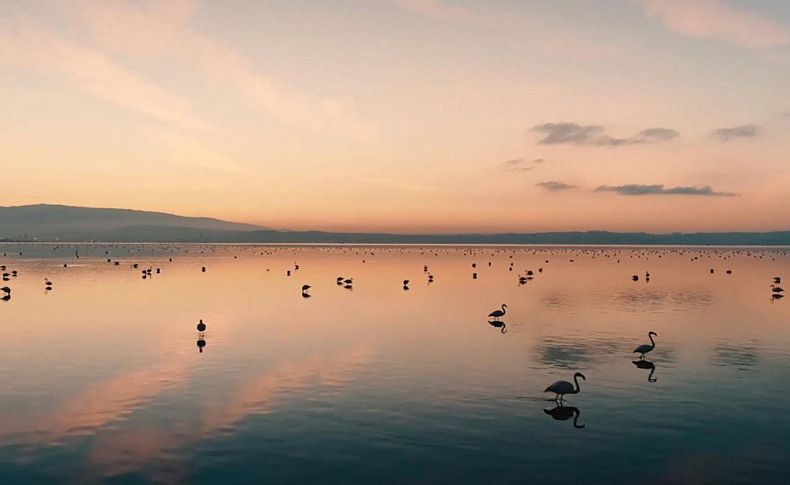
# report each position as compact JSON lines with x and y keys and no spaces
{"x":498,"y":324}
{"x":575,"y":353}
{"x":563,"y":413}
{"x":646,"y":364}
{"x":122,"y":396}
{"x":741,"y":357}
{"x":644,"y":300}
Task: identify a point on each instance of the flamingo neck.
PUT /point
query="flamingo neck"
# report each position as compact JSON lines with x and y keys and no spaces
{"x":652,"y":342}
{"x":578,"y":388}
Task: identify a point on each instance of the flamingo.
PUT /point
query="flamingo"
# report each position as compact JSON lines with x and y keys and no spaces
{"x":6,"y":290}
{"x":645,"y":348}
{"x":777,"y":289}
{"x":498,"y":313}
{"x":201,"y":327}
{"x":560,"y":388}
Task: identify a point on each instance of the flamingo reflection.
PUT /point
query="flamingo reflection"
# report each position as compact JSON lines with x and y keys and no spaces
{"x":563,"y":413}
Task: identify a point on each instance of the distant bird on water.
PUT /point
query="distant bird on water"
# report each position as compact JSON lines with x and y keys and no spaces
{"x":645,"y":348}
{"x":201,"y":327}
{"x":499,"y":313}
{"x":776,"y":289}
{"x":560,"y":388}
{"x":6,"y":290}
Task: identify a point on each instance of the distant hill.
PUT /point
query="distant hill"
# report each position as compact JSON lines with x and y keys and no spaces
{"x":64,"y":223}
{"x":50,"y":222}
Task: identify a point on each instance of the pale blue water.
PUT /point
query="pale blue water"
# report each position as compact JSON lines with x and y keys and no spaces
{"x":101,"y":378}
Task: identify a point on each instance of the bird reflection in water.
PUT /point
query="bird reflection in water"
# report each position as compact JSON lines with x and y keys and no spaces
{"x":563,"y":413}
{"x":498,"y":324}
{"x":201,"y":342}
{"x":646,"y":364}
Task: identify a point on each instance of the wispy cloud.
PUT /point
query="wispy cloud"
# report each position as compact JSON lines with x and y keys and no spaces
{"x":441,"y":10}
{"x":659,"y":189}
{"x":555,"y":186}
{"x":176,"y":38}
{"x":522,"y":164}
{"x":715,"y":19}
{"x":124,"y":34}
{"x":564,"y":133}
{"x":29,"y":44}
{"x":727,"y":134}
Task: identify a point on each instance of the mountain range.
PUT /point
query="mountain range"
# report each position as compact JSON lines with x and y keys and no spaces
{"x":46,"y":222}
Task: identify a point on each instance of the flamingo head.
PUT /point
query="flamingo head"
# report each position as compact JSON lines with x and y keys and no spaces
{"x":579,"y":374}
{"x":652,"y":333}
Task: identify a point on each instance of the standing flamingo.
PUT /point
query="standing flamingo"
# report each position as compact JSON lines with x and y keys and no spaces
{"x":645,"y":348}
{"x":498,"y":313}
{"x":560,"y":388}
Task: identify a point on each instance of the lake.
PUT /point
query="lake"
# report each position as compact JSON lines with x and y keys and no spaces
{"x":102,"y":377}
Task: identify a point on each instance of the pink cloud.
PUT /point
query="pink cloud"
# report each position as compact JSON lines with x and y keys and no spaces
{"x":714,"y":19}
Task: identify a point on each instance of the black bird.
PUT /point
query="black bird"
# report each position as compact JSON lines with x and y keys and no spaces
{"x":200,"y":344}
{"x":6,"y":290}
{"x":201,"y":327}
{"x":496,"y":314}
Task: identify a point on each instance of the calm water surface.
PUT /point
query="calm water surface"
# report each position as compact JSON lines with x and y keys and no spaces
{"x":101,"y":378}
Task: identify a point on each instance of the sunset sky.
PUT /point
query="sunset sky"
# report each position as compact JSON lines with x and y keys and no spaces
{"x":404,"y":115}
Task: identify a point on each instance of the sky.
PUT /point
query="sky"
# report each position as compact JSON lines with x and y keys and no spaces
{"x":403,"y":115}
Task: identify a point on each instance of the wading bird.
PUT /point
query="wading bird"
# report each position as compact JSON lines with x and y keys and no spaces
{"x":560,"y":388}
{"x":645,"y":348}
{"x":498,"y":313}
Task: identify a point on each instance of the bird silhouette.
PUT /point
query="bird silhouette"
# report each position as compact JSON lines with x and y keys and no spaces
{"x":560,"y":388}
{"x":497,"y":314}
{"x":645,"y":348}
